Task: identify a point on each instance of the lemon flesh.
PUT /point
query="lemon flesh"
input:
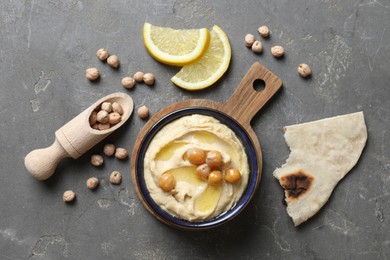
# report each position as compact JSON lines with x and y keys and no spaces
{"x":175,"y":47}
{"x":210,"y":67}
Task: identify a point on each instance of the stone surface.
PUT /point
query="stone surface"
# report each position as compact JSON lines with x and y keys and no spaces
{"x":45,"y":47}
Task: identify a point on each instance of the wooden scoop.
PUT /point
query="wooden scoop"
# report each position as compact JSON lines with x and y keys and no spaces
{"x":241,"y":107}
{"x":75,"y":138}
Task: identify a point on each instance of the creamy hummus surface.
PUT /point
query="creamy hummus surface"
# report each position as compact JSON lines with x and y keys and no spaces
{"x":192,"y":198}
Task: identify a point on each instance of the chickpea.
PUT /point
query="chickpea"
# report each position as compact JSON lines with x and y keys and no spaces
{"x":304,"y":70}
{"x":102,"y":116}
{"x":232,"y":175}
{"x":215,"y":178}
{"x":203,"y":171}
{"x":104,"y":126}
{"x":167,"y":182}
{"x":214,"y":159}
{"x":257,"y":47}
{"x":143,"y":112}
{"x":148,"y":78}
{"x":93,"y":118}
{"x":92,"y":183}
{"x":277,"y":51}
{"x":115,"y":177}
{"x":113,"y":61}
{"x":264,"y":31}
{"x":117,"y":108}
{"x":69,"y":196}
{"x":249,"y":40}
{"x":102,"y":54}
{"x":196,"y":156}
{"x":109,"y":149}
{"x":106,"y":106}
{"x":114,"y":118}
{"x":128,"y":82}
{"x":97,"y":160}
{"x":139,"y":76}
{"x":121,"y":153}
{"x":95,"y":126}
{"x":92,"y":73}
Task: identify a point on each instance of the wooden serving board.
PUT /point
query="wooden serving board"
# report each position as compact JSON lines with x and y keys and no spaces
{"x":242,"y":106}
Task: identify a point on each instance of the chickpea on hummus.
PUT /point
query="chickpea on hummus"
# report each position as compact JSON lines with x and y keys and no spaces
{"x":196,"y":168}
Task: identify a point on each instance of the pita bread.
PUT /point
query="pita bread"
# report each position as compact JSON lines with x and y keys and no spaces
{"x":322,"y":153}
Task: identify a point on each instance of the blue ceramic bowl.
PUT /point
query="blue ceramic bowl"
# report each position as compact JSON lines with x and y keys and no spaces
{"x":223,"y":217}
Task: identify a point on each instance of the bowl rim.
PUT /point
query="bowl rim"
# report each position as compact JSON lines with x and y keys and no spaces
{"x":222,"y":218}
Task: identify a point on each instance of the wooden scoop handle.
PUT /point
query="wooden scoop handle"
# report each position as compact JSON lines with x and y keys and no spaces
{"x":42,"y":163}
{"x":245,"y":102}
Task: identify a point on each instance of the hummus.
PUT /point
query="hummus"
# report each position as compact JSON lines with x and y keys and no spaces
{"x":193,"y":199}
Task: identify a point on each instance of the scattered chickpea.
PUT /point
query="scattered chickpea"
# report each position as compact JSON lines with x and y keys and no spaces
{"x":105,"y":126}
{"x":117,"y":108}
{"x":232,"y":175}
{"x":277,"y":51}
{"x":113,"y":61}
{"x":114,"y":118}
{"x":97,"y":160}
{"x":115,"y":177}
{"x":121,"y":153}
{"x":203,"y":171}
{"x":69,"y":196}
{"x":148,"y":78}
{"x":102,"y":54}
{"x":167,"y":182}
{"x":92,"y":73}
{"x":143,"y":112}
{"x":264,"y":31}
{"x":106,"y":106}
{"x":215,"y":178}
{"x":304,"y":70}
{"x":249,"y":40}
{"x":93,"y":118}
{"x":109,"y":150}
{"x":92,"y":183}
{"x":257,"y":47}
{"x":139,"y":76}
{"x":128,"y":82}
{"x":102,"y":116}
{"x":196,"y":156}
{"x":214,"y":159}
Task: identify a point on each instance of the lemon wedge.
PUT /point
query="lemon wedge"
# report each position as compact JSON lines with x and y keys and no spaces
{"x":175,"y":47}
{"x":210,"y":67}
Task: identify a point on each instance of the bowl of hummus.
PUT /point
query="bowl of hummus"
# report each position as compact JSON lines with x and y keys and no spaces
{"x":197,"y":168}
{"x":197,"y":163}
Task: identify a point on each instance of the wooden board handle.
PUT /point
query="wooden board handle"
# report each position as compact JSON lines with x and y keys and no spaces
{"x":246,"y":101}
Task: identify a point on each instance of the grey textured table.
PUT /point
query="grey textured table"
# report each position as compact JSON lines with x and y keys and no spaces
{"x":45,"y":47}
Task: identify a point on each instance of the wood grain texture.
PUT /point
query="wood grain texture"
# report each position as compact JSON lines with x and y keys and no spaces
{"x":244,"y":103}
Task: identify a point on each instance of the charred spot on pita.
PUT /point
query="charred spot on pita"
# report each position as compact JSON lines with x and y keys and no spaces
{"x":296,"y":184}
